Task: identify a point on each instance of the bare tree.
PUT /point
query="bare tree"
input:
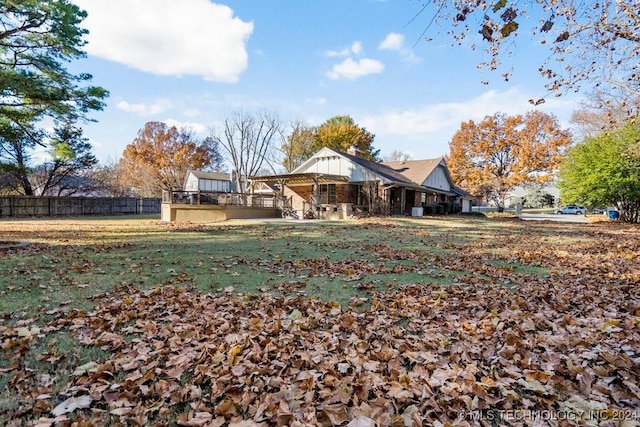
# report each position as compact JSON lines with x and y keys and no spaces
{"x":111,"y":177}
{"x":596,"y":44}
{"x":248,"y":140}
{"x":601,"y":112}
{"x":397,"y":156}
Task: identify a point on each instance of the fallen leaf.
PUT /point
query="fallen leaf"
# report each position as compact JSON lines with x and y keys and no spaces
{"x":88,"y":367}
{"x":71,"y":404}
{"x":361,"y":421}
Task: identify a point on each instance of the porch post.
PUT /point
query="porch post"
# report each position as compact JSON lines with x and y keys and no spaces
{"x":281,"y":184}
{"x":403,"y":200}
{"x":316,"y":197}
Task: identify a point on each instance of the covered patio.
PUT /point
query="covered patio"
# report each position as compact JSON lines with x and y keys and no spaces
{"x":311,"y":194}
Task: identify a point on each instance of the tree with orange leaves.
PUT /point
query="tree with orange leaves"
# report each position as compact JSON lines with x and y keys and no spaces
{"x":492,"y":157}
{"x":160,"y":156}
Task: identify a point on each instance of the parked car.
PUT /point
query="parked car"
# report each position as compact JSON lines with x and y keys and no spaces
{"x":572,"y":209}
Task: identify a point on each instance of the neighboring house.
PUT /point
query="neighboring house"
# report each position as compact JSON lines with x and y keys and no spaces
{"x":72,"y":186}
{"x":220,"y":182}
{"x":333,"y":184}
{"x":265,"y":188}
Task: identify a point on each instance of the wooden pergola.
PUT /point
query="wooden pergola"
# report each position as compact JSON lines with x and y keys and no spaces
{"x":300,"y":178}
{"x":309,"y":178}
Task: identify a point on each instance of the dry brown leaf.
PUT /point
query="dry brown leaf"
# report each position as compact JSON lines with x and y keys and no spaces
{"x":71,"y":404}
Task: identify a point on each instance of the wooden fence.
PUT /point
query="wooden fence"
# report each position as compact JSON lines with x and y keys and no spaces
{"x":21,"y":206}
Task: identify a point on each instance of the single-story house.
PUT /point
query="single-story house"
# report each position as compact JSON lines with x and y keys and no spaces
{"x":72,"y":186}
{"x":332,"y":184}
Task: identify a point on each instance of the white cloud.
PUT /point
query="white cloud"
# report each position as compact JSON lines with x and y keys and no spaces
{"x":355,"y":48}
{"x":436,"y":117}
{"x":169,"y":37}
{"x":393,"y":41}
{"x":199,"y":128}
{"x":431,"y":127}
{"x":350,"y":69}
{"x":191,"y":112}
{"x":316,"y":101}
{"x":145,"y":109}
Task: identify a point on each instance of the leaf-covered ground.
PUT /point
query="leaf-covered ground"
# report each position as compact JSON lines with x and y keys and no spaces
{"x":444,"y":322}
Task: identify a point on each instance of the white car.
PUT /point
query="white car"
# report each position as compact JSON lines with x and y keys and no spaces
{"x":572,"y":209}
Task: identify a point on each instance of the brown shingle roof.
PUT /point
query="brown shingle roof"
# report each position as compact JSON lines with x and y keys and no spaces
{"x":379,"y":168}
{"x":415,"y":170}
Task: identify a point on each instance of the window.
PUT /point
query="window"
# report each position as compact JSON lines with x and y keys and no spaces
{"x":327,"y":194}
{"x":366,"y":192}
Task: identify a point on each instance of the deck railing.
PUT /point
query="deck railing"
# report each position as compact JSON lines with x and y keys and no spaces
{"x":222,"y":198}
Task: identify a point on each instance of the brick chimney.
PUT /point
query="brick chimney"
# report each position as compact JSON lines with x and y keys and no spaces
{"x":354,"y":151}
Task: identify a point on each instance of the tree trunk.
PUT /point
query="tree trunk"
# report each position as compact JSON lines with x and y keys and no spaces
{"x":23,"y":179}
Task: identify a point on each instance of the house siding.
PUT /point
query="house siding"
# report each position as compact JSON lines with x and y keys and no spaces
{"x":202,"y":184}
{"x":329,"y":163}
{"x":438,"y":179}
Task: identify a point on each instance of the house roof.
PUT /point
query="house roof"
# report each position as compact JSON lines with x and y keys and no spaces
{"x":219,"y":176}
{"x":412,"y":173}
{"x":416,"y":170}
{"x":460,"y":192}
{"x":379,"y":168}
{"x":269,"y":185}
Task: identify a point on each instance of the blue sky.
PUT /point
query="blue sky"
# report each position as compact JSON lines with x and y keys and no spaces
{"x":194,"y":62}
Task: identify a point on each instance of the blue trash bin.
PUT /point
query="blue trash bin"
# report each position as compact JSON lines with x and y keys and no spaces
{"x":614,"y":214}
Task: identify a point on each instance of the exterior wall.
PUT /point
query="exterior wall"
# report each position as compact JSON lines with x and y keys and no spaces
{"x":438,"y":179}
{"x":466,"y":205}
{"x":194,"y":184}
{"x":196,"y":213}
{"x":262,"y":188}
{"x":327,"y":162}
{"x":244,"y":212}
{"x":345,"y":193}
{"x":417,"y":200}
{"x":165,"y":213}
{"x":298,"y":196}
{"x":214,"y":185}
{"x":191,"y":184}
{"x":330,"y":164}
{"x":301,"y":194}
{"x":209,"y":213}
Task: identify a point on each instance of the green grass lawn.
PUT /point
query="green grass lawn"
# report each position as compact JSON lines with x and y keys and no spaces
{"x":77,"y":265}
{"x":74,"y":260}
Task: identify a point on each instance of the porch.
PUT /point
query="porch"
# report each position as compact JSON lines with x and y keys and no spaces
{"x":323,"y":196}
